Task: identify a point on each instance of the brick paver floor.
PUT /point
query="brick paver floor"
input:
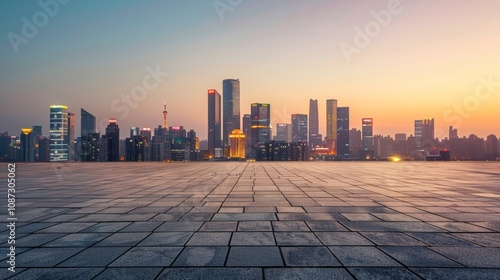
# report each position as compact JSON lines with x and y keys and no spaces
{"x":269,"y":220}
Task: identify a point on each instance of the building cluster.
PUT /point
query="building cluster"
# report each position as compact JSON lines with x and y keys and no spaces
{"x":232,"y":136}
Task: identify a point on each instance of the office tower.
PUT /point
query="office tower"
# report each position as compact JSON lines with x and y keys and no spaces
{"x":146,"y":133}
{"x":260,"y":126}
{"x":135,"y":148}
{"x":27,"y":145}
{"x":491,"y":147}
{"x":343,"y":131}
{"x":214,"y":122}
{"x":355,"y":142}
{"x":313,"y":124}
{"x":299,"y":127}
{"x":331,"y":126}
{"x":237,"y":147}
{"x":231,"y":108}
{"x":247,"y":124}
{"x":283,"y":132}
{"x":43,"y":149}
{"x":383,"y":146}
{"x":59,"y":133}
{"x":160,"y":148}
{"x":134,"y":131}
{"x":452,"y":133}
{"x":367,"y":134}
{"x":418,"y":134}
{"x":71,"y":136}
{"x":88,"y":122}
{"x":428,"y":141}
{"x":37,"y":135}
{"x":113,"y":140}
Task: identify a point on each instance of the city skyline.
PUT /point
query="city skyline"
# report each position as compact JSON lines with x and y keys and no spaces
{"x":292,"y":55}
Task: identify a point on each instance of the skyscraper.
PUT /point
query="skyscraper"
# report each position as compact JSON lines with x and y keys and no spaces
{"x":247,"y":118}
{"x":214,"y":122}
{"x":58,"y":133}
{"x":428,"y":141}
{"x":355,"y":142}
{"x":231,"y":107}
{"x":367,"y":133}
{"x":299,"y":127}
{"x":314,"y":140}
{"x":88,"y":122}
{"x":260,"y":126}
{"x":71,"y":136}
{"x":27,"y":145}
{"x":418,"y":134}
{"x":37,"y":131}
{"x":331,"y":126}
{"x":343,"y":131}
{"x":452,"y":133}
{"x":113,"y":140}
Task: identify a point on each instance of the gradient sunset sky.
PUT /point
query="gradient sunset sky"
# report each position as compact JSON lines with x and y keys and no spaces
{"x":428,"y":59}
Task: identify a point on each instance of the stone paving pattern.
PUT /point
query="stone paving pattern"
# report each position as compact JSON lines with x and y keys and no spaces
{"x":235,"y":220}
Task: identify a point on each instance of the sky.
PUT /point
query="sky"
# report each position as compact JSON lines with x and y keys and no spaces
{"x":394,"y":61}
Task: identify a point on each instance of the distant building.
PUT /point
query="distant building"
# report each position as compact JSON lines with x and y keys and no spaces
{"x":237,"y":145}
{"x":87,"y":122}
{"x":27,"y":145}
{"x":331,"y":126}
{"x":90,"y":147}
{"x":113,"y":140}
{"x":146,"y":133}
{"x":343,"y":131}
{"x":299,"y":127}
{"x":314,"y":140}
{"x":214,"y":122}
{"x":59,"y":138}
{"x":452,"y":133}
{"x":367,"y":139}
{"x":260,"y":126}
{"x":247,"y":124}
{"x":383,"y":146}
{"x":71,"y":136}
{"x":231,"y":107}
{"x":136,"y":147}
{"x":283,"y":132}
{"x":355,"y":145}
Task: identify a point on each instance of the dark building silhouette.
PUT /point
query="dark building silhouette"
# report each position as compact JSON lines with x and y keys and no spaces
{"x":247,"y":118}
{"x":299,"y":127}
{"x":355,"y":145}
{"x":367,"y":151}
{"x":260,"y":131}
{"x":27,"y":145}
{"x":71,"y":136}
{"x":343,"y":131}
{"x":231,"y":108}
{"x":90,"y":147}
{"x":113,"y":141}
{"x":135,"y":148}
{"x":214,"y":122}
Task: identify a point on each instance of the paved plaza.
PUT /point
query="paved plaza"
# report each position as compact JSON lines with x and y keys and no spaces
{"x":262,"y":220}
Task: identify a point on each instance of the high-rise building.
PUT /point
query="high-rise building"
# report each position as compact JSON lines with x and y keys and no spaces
{"x":247,"y":124}
{"x":383,"y":146}
{"x":134,"y":131}
{"x":231,"y":108}
{"x":428,"y":140}
{"x":331,"y":126}
{"x":113,"y":140}
{"x":299,"y":127}
{"x":367,"y":134}
{"x":88,"y":122}
{"x":260,"y":126}
{"x":452,"y":133}
{"x":59,"y":133}
{"x":90,"y":147}
{"x":418,"y":134}
{"x":37,"y":131}
{"x":146,"y":133}
{"x":237,"y":145}
{"x":283,"y":132}
{"x":71,"y":136}
{"x":355,"y":142}
{"x":37,"y":135}
{"x":214,"y":122}
{"x":343,"y":131}
{"x":160,"y":148}
{"x":313,"y":123}
{"x":491,"y":146}
{"x":27,"y":145}
{"x":135,"y":148}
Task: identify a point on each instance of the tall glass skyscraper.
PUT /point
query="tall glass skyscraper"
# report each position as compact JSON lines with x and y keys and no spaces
{"x":214,"y":121}
{"x":314,"y":140}
{"x":113,"y":140}
{"x":260,"y":125}
{"x":59,"y":133}
{"x":331,"y":126}
{"x":88,"y":122}
{"x":231,"y":108}
{"x":367,"y":134}
{"x":343,"y":131}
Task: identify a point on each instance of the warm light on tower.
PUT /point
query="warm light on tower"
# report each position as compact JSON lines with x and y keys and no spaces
{"x":237,"y":146}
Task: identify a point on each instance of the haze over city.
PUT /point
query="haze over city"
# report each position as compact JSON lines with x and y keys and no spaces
{"x":426,"y":62}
